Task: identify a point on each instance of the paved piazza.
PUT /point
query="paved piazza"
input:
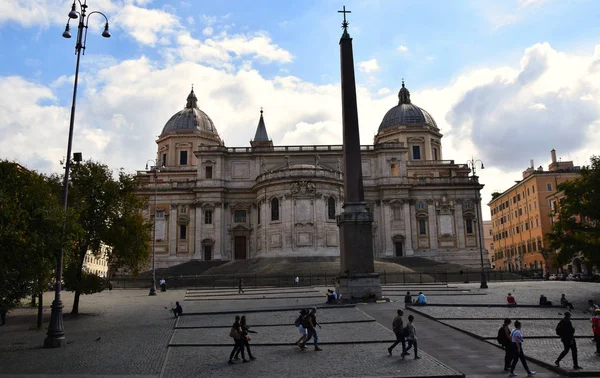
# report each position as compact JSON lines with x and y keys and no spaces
{"x":126,"y":333}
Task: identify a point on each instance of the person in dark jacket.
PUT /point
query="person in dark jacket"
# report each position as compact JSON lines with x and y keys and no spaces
{"x":236,"y":334}
{"x":566,"y":332}
{"x":398,"y":327}
{"x":408,"y":297}
{"x":506,"y":344}
{"x":245,"y":339}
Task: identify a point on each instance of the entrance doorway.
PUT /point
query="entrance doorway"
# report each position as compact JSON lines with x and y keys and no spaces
{"x":240,"y":247}
{"x":207,"y":252}
{"x":398,"y":248}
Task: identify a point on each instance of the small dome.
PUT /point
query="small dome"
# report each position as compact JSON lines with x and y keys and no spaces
{"x":191,"y":118}
{"x":406,"y":113}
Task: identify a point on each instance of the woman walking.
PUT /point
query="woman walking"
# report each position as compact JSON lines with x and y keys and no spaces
{"x":236,"y":334}
{"x":245,"y":339}
{"x":516,"y":338}
{"x":303,"y":331}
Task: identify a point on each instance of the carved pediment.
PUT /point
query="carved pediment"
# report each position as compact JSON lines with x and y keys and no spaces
{"x":302,"y":187}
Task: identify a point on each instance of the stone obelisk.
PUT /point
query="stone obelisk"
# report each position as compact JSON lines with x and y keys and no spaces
{"x":357,"y":278}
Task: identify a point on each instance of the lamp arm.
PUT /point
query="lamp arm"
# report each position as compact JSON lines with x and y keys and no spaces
{"x":87,"y":22}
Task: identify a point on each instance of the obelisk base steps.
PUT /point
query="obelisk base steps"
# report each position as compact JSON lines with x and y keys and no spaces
{"x":359,"y":287}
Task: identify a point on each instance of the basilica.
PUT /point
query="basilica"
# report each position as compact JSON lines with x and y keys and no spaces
{"x":208,"y":201}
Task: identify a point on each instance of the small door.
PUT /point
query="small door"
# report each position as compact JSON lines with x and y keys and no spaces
{"x":208,"y":252}
{"x":398,"y":246}
{"x":240,"y":247}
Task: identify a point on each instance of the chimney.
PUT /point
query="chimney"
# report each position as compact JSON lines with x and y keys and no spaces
{"x":553,"y":153}
{"x":531,"y":163}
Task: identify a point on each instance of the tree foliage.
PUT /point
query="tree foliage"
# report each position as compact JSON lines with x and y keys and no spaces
{"x":109,"y":214}
{"x":31,"y":221}
{"x":576,"y":233}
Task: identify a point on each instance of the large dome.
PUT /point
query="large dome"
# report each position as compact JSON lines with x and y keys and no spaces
{"x":406,"y":114}
{"x":191,"y":118}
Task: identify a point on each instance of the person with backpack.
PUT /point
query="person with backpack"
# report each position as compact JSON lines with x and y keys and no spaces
{"x":503,"y":339}
{"x":566,"y":331}
{"x":516,"y":339}
{"x":298,"y":323}
{"x":411,"y":334}
{"x":236,"y":335}
{"x":398,"y":328}
{"x":310,"y":322}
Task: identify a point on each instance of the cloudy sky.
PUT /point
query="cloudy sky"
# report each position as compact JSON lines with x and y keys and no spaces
{"x":506,"y":80}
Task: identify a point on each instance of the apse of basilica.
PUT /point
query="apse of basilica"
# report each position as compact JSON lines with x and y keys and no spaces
{"x":226,"y":203}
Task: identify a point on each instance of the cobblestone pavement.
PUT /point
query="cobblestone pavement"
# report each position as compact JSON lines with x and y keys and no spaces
{"x":334,"y":361}
{"x":547,"y":350}
{"x":228,"y":305}
{"x":530,"y":327}
{"x":497,"y":312}
{"x":330,"y":333}
{"x":100,"y":341}
{"x":326,"y":315}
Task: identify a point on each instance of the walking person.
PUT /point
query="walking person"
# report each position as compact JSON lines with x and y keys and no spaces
{"x":516,"y":338}
{"x":566,"y":331}
{"x":163,"y":285}
{"x":311,"y":323}
{"x":245,"y":339}
{"x":298,"y":323}
{"x":596,"y":328}
{"x":398,"y":328}
{"x":240,"y":290}
{"x":411,"y":336}
{"x":503,"y":339}
{"x":236,"y":334}
{"x":297,"y":280}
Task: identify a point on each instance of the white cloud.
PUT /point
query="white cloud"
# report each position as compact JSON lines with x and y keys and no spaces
{"x":490,"y":113}
{"x":207,"y":30}
{"x":368,"y":66}
{"x":526,"y":3}
{"x":402,"y":49}
{"x":147,"y":26}
{"x":430,"y":58}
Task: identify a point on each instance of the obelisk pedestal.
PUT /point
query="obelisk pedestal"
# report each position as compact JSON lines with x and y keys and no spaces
{"x":357,"y":280}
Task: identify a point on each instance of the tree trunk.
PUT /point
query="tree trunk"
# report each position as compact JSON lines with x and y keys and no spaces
{"x":40,"y":311}
{"x":75,"y":310}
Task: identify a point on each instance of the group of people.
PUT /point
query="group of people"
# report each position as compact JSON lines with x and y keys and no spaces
{"x":332,"y":296}
{"x":512,"y":341}
{"x":404,"y":334}
{"x":545,"y":302}
{"x":307,"y":326}
{"x":421,"y":299}
{"x":240,"y":332}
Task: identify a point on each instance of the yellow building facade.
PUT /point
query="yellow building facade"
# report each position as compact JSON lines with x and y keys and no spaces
{"x":521,"y":216}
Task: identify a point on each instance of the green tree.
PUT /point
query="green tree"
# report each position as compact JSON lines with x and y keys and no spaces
{"x":109,"y":214}
{"x":576,"y":233}
{"x":31,"y":220}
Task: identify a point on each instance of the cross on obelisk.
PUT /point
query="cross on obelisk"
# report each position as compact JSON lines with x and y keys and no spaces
{"x":357,"y":268}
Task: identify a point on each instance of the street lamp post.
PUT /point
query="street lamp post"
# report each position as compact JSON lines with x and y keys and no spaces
{"x":56,"y":334}
{"x":473,"y":165}
{"x":155,"y":170}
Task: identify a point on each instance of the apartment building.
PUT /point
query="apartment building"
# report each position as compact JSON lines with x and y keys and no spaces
{"x":521,"y":216}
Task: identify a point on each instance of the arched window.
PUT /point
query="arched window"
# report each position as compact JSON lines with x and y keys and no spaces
{"x":275,"y":209}
{"x":331,"y":208}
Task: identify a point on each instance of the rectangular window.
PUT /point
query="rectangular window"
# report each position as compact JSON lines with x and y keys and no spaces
{"x":517,"y":229}
{"x":520,"y":212}
{"x":183,"y":158}
{"x":422,"y":227}
{"x":435,"y":154}
{"x":416,"y":150}
{"x":258,"y":215}
{"x":397,"y":213}
{"x":239,"y":216}
{"x":469,"y":226}
{"x":534,"y":204}
{"x":394,"y":169}
{"x":537,"y":222}
{"x":182,"y":232}
{"x":532,"y":188}
{"x":160,"y":214}
{"x":518,"y":197}
{"x":527,"y":226}
{"x":530,"y":208}
{"x":164,"y":160}
{"x":549,"y":186}
{"x":208,"y":172}
{"x":208,"y":216}
{"x":528,"y":191}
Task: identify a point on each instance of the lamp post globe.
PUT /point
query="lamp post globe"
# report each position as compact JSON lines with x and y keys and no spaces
{"x":56,"y":334}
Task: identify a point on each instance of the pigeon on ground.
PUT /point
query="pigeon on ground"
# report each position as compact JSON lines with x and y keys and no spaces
{"x":98,"y":339}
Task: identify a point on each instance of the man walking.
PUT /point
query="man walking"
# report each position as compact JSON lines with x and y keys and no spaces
{"x":566,"y":331}
{"x":297,"y":280}
{"x":311,"y":324}
{"x":398,"y":328}
{"x":240,"y":290}
{"x":412,"y":337}
{"x":503,"y":339}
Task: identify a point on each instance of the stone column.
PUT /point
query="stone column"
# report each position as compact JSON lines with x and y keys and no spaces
{"x":198,"y":255}
{"x":433,"y":231}
{"x":219,"y":225}
{"x":460,"y":226}
{"x":173,"y":231}
{"x":408,"y":225}
{"x":191,"y":231}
